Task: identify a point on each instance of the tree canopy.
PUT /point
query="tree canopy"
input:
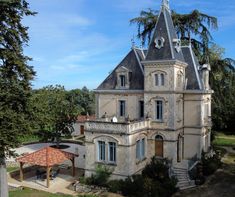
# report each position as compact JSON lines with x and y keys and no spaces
{"x":194,"y":26}
{"x":15,"y":81}
{"x":15,"y":74}
{"x":55,"y":111}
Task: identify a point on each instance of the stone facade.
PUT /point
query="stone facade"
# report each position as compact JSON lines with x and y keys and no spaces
{"x":156,"y":102}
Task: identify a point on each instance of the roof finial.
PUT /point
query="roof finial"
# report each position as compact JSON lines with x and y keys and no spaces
{"x":165,"y":4}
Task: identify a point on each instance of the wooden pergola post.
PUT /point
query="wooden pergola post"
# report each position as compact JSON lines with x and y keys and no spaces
{"x":48,"y":176}
{"x":73,"y":166}
{"x":21,"y":171}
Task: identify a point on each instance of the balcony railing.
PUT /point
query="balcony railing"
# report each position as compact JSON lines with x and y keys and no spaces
{"x":116,"y":127}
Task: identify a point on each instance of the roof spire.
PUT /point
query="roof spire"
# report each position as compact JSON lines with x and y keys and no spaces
{"x":165,"y":4}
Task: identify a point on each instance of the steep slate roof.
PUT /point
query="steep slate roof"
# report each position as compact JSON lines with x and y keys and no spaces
{"x":191,"y":71}
{"x":46,"y":157}
{"x":165,"y":29}
{"x":132,"y":63}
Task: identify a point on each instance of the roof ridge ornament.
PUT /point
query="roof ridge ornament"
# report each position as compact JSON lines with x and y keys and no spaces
{"x":165,"y":4}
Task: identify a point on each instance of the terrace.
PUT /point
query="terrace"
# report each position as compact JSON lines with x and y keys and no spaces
{"x":116,"y":127}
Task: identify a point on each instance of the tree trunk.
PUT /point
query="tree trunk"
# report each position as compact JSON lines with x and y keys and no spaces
{"x":3,"y":178}
{"x":57,"y":139}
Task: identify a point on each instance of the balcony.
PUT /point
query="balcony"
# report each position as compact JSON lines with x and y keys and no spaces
{"x":116,"y":127}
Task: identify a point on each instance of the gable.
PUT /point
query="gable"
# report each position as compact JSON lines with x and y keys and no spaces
{"x":130,"y":64}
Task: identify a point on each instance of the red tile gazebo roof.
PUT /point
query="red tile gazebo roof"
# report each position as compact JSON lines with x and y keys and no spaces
{"x":46,"y":157}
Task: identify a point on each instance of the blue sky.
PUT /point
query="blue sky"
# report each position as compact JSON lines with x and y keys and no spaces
{"x":76,"y":43}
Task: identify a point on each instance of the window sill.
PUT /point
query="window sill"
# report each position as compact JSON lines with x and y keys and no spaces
{"x":106,"y":163}
{"x":140,"y":160}
{"x":159,"y":121}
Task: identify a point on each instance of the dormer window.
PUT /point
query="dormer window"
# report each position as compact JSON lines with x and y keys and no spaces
{"x":122,"y":80}
{"x":159,"y":79}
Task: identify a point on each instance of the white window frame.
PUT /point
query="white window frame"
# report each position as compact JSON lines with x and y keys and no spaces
{"x":140,"y":149}
{"x":160,"y":118}
{"x":99,"y":149}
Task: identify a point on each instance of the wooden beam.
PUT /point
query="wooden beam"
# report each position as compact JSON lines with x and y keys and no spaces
{"x":73,"y":166}
{"x":48,"y":176}
{"x":21,"y":171}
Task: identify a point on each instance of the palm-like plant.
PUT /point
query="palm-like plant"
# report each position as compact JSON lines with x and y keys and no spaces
{"x":194,"y":27}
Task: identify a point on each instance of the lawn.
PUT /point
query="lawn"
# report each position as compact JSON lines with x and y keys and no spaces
{"x":26,"y":192}
{"x":224,"y":140}
{"x":12,"y":169}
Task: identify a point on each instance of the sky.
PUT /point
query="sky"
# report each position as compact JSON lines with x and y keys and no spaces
{"x":77,"y":43}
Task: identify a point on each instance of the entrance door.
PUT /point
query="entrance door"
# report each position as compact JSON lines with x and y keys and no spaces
{"x":159,"y":146}
{"x":82,"y":129}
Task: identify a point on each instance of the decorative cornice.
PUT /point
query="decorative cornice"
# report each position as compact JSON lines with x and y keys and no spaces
{"x":124,"y":91}
{"x":165,"y":62}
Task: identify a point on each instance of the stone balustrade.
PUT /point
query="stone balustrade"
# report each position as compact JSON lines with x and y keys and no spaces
{"x":118,"y":128}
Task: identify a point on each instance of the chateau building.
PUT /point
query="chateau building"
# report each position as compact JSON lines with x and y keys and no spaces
{"x":156,"y":102}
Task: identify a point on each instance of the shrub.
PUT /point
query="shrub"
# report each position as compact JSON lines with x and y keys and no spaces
{"x":154,"y":181}
{"x":115,"y":186}
{"x":100,"y":177}
{"x":210,"y":163}
{"x":133,"y":186}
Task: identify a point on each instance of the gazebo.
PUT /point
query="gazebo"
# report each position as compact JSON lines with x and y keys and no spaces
{"x":46,"y":157}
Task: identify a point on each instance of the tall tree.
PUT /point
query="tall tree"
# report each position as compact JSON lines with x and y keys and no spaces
{"x":15,"y":77}
{"x":55,"y":111}
{"x":223,"y":83}
{"x":85,"y":99}
{"x":193,"y":26}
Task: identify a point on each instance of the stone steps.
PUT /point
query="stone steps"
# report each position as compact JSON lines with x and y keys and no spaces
{"x":184,"y":181}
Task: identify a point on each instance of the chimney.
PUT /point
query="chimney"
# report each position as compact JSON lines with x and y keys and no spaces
{"x":205,"y":70}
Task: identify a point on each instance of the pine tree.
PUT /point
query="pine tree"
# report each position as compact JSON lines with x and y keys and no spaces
{"x":15,"y":77}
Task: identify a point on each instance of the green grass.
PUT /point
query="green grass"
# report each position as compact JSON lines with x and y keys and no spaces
{"x":220,"y":141}
{"x":12,"y":169}
{"x":29,"y":139}
{"x":26,"y":192}
{"x":224,"y":140}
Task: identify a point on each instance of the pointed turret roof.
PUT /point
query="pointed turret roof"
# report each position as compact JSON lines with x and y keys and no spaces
{"x":164,"y":44}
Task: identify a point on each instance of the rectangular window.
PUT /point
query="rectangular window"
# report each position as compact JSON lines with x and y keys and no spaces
{"x":156,"y":80}
{"x":122,"y":108}
{"x":101,"y":150}
{"x":141,"y":109}
{"x":112,"y":152}
{"x":159,"y":110}
{"x":122,"y":80}
{"x":162,"y":80}
{"x":159,"y":79}
{"x":140,"y":149}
